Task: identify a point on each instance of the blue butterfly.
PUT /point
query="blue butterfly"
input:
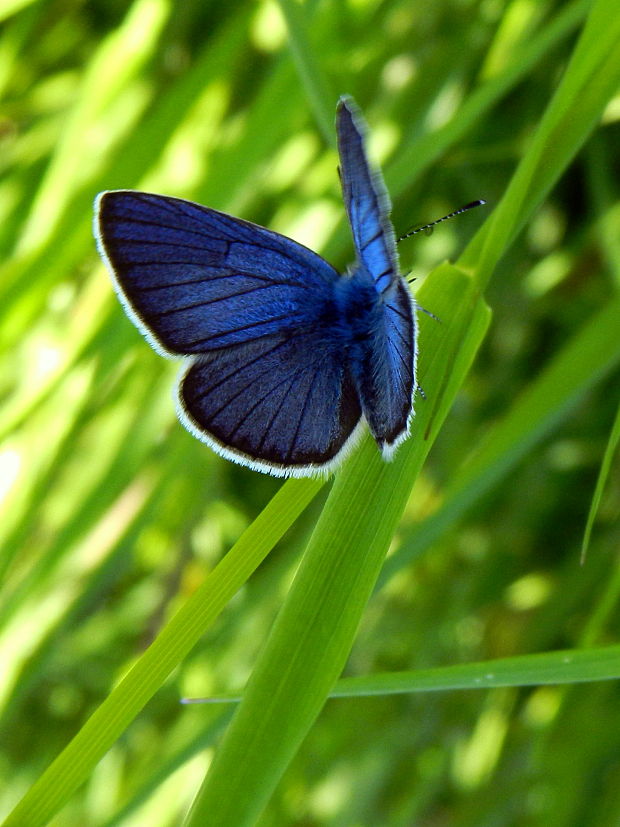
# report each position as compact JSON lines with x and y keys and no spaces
{"x":287,"y":361}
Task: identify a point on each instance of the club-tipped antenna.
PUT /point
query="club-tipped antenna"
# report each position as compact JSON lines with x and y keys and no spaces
{"x":431,"y":224}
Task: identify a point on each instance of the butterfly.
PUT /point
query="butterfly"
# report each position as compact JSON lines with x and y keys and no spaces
{"x":287,"y":361}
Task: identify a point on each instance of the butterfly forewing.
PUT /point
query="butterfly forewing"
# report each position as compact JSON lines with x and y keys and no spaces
{"x":194,"y":279}
{"x":366,"y":200}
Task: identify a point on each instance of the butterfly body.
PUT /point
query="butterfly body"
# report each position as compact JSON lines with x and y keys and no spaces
{"x":285,"y":357}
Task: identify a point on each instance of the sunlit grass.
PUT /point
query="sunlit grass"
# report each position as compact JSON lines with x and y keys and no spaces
{"x":119,"y":531}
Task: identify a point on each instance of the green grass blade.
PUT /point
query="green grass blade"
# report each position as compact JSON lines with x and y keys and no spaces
{"x":590,"y":80}
{"x":429,"y":148}
{"x":198,"y":742}
{"x":590,"y":356}
{"x":320,"y":94}
{"x":119,"y":58}
{"x":175,"y":641}
{"x":568,"y":666}
{"x":112,"y":513}
{"x":315,"y":630}
{"x":610,"y":450}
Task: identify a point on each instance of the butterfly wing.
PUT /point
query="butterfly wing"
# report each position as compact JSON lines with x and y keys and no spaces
{"x":385,"y":373}
{"x":193,"y":279}
{"x":284,"y":404}
{"x":266,"y":382}
{"x":366,"y":200}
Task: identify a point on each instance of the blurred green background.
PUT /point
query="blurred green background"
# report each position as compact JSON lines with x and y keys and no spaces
{"x":112,"y":514}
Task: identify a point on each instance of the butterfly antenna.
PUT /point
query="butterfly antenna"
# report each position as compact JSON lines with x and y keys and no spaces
{"x":431,"y":224}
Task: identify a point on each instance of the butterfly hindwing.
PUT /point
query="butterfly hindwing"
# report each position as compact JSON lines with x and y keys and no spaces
{"x":386,"y":376}
{"x":283,"y":404}
{"x":194,"y":279}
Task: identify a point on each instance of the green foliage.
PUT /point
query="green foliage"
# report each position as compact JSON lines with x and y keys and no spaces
{"x":138,"y":568}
